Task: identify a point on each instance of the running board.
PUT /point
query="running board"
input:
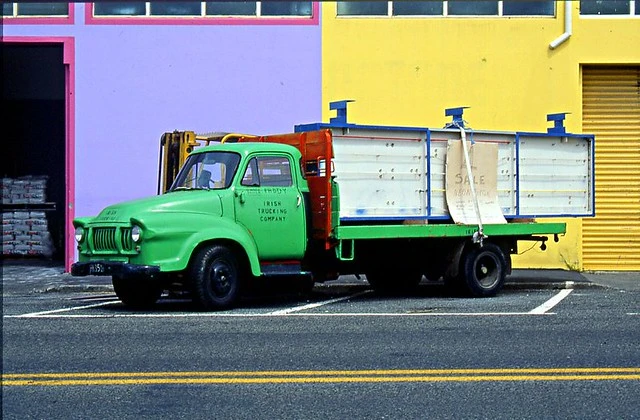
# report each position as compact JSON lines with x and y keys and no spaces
{"x":283,"y":269}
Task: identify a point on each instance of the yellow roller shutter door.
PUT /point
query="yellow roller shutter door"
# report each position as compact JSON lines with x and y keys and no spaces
{"x":611,"y":111}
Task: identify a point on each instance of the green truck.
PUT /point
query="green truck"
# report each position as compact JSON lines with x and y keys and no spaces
{"x":339,"y":198}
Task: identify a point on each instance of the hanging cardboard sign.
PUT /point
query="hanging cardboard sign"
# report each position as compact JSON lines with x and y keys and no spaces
{"x":460,"y":198}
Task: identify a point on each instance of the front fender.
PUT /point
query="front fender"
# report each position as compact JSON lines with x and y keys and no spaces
{"x":82,"y":221}
{"x":169,"y":239}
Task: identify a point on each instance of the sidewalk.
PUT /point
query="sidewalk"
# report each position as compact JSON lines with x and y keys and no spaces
{"x":28,"y":277}
{"x":37,"y":277}
{"x":623,"y":280}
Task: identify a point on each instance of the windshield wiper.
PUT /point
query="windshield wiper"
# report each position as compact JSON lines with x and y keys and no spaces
{"x":180,"y":189}
{"x":190,"y":189}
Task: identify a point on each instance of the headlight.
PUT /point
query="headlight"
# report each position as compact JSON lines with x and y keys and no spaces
{"x":79,"y":234}
{"x":136,"y":233}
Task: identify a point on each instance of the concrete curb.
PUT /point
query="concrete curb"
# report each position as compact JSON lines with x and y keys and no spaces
{"x":552,"y":285}
{"x":76,"y":288}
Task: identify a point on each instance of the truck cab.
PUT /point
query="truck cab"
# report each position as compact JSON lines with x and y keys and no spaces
{"x":232,"y":208}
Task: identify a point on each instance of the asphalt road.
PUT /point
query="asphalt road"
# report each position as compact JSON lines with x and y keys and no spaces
{"x":531,"y":352}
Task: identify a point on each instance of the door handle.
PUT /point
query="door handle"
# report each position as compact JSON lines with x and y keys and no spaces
{"x":240,"y":196}
{"x":299,"y":201}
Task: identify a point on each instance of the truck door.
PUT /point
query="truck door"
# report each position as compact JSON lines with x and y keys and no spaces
{"x":269,"y":204}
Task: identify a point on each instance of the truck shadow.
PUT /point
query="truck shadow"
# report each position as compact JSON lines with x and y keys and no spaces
{"x":274,"y":295}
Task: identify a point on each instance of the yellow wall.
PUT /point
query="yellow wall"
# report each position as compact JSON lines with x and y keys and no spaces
{"x":406,"y":71}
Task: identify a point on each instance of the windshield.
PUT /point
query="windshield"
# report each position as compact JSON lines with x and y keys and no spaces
{"x":207,"y":171}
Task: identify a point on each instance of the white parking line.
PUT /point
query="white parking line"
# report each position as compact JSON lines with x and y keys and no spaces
{"x":548,"y":305}
{"x":296,"y":311}
{"x":56,"y":311}
{"x":315,"y":305}
{"x":271,"y":315}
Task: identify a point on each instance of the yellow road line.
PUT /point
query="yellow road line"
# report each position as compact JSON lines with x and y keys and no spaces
{"x":328,"y":372}
{"x":329,"y":376}
{"x":318,"y":380}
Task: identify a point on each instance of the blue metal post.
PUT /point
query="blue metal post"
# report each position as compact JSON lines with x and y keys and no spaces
{"x":558,"y":123}
{"x":456,"y":113}
{"x":341,"y":114}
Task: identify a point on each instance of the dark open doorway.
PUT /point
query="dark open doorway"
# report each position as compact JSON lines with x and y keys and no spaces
{"x":34,"y":138}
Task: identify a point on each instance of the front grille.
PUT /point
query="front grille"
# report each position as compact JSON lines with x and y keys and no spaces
{"x":125,"y":239}
{"x":112,"y":239}
{"x":104,"y":239}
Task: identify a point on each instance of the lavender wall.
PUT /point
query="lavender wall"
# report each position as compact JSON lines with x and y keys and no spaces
{"x":132,"y":83}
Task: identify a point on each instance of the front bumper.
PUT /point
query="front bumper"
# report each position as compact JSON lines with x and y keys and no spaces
{"x":111,"y":268}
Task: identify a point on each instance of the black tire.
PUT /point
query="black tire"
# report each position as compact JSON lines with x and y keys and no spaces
{"x":305,"y":284}
{"x":377,"y":280}
{"x":136,"y":292}
{"x":215,"y":278}
{"x":453,"y":284}
{"x":484,"y":270}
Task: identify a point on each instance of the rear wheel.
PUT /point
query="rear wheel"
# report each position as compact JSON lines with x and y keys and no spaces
{"x":215,"y":277}
{"x":484,"y":270}
{"x":136,"y":292}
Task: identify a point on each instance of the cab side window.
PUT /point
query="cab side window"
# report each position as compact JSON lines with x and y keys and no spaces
{"x":268,"y":171}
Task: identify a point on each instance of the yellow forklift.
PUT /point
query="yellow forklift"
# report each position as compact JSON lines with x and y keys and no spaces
{"x":176,"y":146}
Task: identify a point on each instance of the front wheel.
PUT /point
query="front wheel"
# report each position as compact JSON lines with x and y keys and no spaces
{"x":484,"y":270}
{"x":136,"y":292}
{"x":215,"y":277}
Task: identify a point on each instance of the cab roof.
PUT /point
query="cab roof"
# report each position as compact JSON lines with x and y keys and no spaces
{"x":245,"y":148}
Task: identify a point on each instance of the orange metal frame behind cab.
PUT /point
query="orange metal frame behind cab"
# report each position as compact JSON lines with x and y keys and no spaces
{"x":317,"y":155}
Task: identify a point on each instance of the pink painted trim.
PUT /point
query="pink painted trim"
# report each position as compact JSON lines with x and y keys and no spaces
{"x":89,"y":19}
{"x":70,"y":76}
{"x":62,"y":20}
{"x":69,"y":60}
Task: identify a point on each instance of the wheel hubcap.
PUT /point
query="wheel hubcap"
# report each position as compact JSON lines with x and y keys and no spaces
{"x":221,"y":280}
{"x":487,"y":271}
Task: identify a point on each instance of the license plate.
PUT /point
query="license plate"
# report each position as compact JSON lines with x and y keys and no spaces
{"x":96,"y":268}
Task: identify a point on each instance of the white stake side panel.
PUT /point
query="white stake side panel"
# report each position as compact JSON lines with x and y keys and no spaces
{"x":394,"y":173}
{"x":555,"y":176}
{"x":381,"y":174}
